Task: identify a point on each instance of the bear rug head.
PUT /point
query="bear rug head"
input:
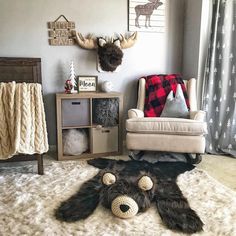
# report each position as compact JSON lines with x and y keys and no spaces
{"x":129,"y":187}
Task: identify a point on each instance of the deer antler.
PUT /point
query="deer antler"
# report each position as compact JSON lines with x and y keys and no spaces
{"x":128,"y":42}
{"x":86,"y":43}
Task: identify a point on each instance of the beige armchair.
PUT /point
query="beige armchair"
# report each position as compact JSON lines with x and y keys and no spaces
{"x":167,"y":134}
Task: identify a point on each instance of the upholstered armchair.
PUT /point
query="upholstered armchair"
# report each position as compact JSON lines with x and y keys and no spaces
{"x":176,"y":135}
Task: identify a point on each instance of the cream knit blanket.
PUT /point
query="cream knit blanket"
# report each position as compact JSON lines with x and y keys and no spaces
{"x":22,"y":120}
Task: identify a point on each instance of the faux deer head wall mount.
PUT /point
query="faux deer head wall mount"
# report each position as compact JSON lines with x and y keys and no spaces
{"x":109,"y":49}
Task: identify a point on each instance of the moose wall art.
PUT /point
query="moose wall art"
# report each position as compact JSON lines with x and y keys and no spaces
{"x":109,"y":49}
{"x":147,"y":15}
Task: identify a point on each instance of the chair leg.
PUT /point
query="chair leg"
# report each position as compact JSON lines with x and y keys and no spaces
{"x":136,"y":155}
{"x":197,"y":159}
{"x":40,"y":163}
{"x":192,"y":160}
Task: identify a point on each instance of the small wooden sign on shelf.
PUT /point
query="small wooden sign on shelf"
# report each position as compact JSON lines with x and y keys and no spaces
{"x":61,"y":33}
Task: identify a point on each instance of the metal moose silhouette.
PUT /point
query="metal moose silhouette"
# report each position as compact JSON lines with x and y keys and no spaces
{"x":109,"y":49}
{"x":146,"y":10}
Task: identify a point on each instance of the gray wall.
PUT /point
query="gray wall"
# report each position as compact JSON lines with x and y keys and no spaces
{"x":23,"y":33}
{"x":197,"y":24}
{"x":191,"y":42}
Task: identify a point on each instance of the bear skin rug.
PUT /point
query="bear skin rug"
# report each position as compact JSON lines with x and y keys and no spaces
{"x":28,"y":202}
{"x":129,"y":187}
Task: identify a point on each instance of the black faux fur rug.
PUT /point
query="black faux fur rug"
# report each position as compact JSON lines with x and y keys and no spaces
{"x":28,"y":202}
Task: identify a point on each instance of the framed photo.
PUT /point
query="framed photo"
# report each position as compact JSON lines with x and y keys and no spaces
{"x":147,"y":15}
{"x":87,"y":83}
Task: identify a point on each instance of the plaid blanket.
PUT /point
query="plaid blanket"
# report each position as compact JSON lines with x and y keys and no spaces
{"x":157,"y":90}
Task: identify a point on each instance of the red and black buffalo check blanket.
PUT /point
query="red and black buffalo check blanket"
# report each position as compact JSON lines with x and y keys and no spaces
{"x":157,"y":90}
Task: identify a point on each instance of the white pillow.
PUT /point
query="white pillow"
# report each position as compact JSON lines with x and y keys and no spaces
{"x":75,"y":141}
{"x":175,"y":106}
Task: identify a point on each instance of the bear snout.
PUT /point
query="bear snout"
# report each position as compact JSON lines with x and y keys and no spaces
{"x":124,"y":207}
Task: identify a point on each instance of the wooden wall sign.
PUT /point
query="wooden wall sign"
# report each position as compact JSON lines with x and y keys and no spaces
{"x":61,"y":33}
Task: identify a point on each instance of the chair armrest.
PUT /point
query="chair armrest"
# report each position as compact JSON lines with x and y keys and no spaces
{"x":191,"y":86}
{"x":135,"y":113}
{"x":198,"y":115}
{"x":141,"y":94}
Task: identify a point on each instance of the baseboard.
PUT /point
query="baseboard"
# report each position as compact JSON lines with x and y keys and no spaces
{"x":53,"y":148}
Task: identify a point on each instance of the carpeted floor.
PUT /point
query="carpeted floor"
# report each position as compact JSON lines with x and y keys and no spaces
{"x":222,"y":168}
{"x":28,"y":202}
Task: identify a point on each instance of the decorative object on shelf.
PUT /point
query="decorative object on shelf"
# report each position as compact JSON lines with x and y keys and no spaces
{"x":87,"y":83}
{"x":107,"y":86}
{"x":61,"y":33}
{"x":68,"y":86}
{"x":105,"y":112}
{"x":147,"y":17}
{"x":115,"y":187}
{"x":109,"y":49}
{"x":72,"y":78}
{"x":75,"y":141}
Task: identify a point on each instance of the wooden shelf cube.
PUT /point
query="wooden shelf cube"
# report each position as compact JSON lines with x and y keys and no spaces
{"x":77,"y":111}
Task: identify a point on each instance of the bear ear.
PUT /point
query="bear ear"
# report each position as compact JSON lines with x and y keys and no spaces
{"x":101,"y":41}
{"x":117,"y":43}
{"x":102,"y":163}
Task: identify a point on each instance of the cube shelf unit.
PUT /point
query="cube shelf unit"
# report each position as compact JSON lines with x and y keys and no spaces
{"x":75,"y":111}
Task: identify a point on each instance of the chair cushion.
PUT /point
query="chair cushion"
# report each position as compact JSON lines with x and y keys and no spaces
{"x":163,"y":125}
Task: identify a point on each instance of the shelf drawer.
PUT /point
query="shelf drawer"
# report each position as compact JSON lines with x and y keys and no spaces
{"x":75,"y":112}
{"x":105,"y":139}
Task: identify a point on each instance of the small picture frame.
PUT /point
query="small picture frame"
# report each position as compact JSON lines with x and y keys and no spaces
{"x":87,"y":83}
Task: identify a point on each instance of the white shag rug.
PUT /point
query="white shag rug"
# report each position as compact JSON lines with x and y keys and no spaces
{"x":28,"y":201}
